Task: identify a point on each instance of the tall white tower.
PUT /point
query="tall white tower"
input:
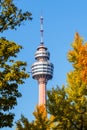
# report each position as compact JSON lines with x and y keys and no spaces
{"x":42,"y":69}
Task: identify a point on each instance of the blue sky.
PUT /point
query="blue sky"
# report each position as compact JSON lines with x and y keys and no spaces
{"x":62,"y":18}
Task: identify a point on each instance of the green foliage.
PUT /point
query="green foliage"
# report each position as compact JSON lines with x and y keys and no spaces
{"x":24,"y":124}
{"x":68,"y":114}
{"x":12,"y":73}
{"x":11,"y":16}
{"x":59,"y":106}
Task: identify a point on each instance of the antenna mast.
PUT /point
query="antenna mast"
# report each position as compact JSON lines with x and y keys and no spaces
{"x":41,"y":29}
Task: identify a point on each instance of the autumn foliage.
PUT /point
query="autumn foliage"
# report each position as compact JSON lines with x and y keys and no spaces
{"x":41,"y":121}
{"x":78,"y":56}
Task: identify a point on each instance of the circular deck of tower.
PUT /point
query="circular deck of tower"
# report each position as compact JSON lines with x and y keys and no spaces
{"x":42,"y":67}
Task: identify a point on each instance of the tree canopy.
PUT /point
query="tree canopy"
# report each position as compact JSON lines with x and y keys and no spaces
{"x":69,"y":104}
{"x":11,"y":16}
{"x":41,"y":122}
{"x":12,"y":71}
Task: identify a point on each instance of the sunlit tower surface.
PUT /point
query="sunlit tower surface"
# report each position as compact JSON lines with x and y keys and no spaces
{"x":42,"y":69}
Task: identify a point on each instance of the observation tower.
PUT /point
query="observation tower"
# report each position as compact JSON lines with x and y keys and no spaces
{"x":42,"y":68}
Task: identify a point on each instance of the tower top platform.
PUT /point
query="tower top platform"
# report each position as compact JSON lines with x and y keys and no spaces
{"x":41,"y":46}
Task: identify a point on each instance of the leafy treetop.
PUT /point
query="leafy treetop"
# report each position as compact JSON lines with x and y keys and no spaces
{"x":11,"y":16}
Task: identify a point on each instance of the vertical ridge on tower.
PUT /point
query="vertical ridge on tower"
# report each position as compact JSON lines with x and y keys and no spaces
{"x":42,"y":68}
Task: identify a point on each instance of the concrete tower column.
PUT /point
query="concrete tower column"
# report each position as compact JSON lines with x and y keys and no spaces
{"x":42,"y":91}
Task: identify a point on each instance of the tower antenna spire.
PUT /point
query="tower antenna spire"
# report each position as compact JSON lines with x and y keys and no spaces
{"x":41,"y":29}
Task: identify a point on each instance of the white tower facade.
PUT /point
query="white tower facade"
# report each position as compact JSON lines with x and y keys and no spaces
{"x":42,"y":68}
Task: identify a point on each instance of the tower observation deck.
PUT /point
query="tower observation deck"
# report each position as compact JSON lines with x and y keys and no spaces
{"x":42,"y":68}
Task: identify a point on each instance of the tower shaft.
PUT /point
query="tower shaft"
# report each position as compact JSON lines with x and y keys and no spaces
{"x":42,"y":91}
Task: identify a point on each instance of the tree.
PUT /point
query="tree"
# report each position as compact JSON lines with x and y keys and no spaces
{"x":12,"y":71}
{"x":24,"y":124}
{"x":69,"y":104}
{"x":78,"y":56}
{"x":59,"y":106}
{"x":11,"y":16}
{"x":41,"y":121}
